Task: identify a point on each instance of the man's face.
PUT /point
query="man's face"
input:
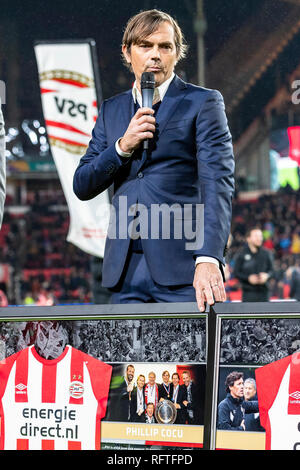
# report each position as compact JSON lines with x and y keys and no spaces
{"x":156,"y":53}
{"x":166,"y":377}
{"x":141,"y":382}
{"x":237,"y":389}
{"x":151,"y":378}
{"x":256,"y":238}
{"x":150,"y":410}
{"x":175,"y":380}
{"x":186,"y":379}
{"x":130,"y":373}
{"x":249,"y":391}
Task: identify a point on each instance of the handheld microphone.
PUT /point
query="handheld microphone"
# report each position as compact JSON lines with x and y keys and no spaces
{"x":147,"y":89}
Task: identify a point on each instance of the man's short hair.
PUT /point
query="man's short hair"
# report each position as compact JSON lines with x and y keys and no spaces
{"x":231,"y":378}
{"x":146,"y":23}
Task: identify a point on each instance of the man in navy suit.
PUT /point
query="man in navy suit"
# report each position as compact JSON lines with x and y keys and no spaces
{"x":171,"y":212}
{"x":178,"y":397}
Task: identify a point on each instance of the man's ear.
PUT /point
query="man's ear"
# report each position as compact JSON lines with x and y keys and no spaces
{"x":126,"y":54}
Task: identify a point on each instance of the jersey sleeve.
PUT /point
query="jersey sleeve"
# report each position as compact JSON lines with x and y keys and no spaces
{"x":268,"y":380}
{"x":5,"y":368}
{"x":100,"y":374}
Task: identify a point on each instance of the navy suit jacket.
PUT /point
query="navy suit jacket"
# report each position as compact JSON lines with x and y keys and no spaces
{"x":189,"y":162}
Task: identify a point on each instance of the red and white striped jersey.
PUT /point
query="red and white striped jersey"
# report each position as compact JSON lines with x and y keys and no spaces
{"x":52,"y":404}
{"x":278,"y":392}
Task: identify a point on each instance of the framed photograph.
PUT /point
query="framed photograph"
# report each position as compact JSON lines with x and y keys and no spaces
{"x":253,"y":366}
{"x":109,"y":377}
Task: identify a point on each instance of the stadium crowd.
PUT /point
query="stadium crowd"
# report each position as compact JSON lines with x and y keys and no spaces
{"x":117,"y":340}
{"x":258,"y":341}
{"x":278,"y":216}
{"x":149,"y":341}
{"x":43,"y":268}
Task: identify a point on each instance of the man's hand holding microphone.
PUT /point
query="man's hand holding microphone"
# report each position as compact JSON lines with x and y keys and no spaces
{"x":142,"y":125}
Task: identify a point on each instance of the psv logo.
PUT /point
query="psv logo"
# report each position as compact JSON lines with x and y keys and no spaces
{"x":76,"y":389}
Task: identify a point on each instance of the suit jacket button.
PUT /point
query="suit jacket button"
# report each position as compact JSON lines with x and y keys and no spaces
{"x":140,"y":174}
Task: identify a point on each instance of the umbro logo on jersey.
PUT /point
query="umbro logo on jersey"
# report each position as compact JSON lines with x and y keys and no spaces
{"x":21,"y":389}
{"x":295,"y":395}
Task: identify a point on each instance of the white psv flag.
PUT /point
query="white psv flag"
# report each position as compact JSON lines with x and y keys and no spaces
{"x":70,"y":108}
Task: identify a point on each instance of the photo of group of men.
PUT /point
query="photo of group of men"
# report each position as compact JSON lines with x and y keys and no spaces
{"x":137,"y":395}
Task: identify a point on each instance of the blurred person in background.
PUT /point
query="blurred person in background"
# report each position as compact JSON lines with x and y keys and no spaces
{"x":3,"y":298}
{"x":2,"y":166}
{"x":293,"y":276}
{"x":253,"y":267}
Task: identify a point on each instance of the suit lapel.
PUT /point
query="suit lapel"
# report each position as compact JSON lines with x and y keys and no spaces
{"x":175,"y":93}
{"x":127,"y":110}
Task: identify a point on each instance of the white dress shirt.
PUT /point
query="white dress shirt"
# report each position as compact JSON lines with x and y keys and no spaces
{"x":159,"y":93}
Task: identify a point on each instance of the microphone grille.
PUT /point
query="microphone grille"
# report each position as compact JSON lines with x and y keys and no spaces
{"x":147,"y":80}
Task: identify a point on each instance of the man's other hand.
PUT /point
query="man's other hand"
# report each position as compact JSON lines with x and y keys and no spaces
{"x":209,"y":286}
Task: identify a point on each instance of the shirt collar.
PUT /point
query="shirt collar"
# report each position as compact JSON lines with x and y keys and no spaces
{"x":159,"y":92}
